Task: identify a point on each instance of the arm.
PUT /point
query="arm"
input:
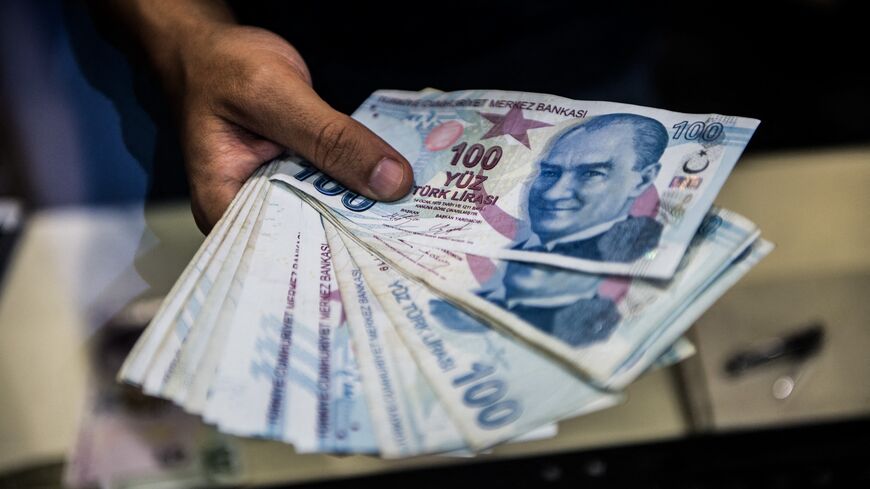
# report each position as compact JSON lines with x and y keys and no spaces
{"x":242,"y":96}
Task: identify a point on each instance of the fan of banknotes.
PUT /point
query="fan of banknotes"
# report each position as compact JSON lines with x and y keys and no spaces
{"x":550,"y":252}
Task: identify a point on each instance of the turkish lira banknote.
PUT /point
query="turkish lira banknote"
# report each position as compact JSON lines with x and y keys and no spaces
{"x":489,"y":382}
{"x":550,"y":252}
{"x":593,"y":186}
{"x":592,"y":322}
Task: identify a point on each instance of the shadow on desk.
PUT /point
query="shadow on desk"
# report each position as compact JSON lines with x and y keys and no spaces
{"x":831,"y":455}
{"x":823,"y":456}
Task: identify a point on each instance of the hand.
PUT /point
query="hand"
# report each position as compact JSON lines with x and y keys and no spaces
{"x":245,"y":95}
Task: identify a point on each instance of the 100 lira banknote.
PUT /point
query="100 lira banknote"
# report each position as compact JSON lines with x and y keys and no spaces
{"x":600,"y":325}
{"x":550,"y":251}
{"x":593,"y":186}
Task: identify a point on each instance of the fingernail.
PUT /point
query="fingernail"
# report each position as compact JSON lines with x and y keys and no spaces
{"x":387,"y":178}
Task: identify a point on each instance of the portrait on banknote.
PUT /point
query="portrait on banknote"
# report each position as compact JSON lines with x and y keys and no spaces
{"x":570,"y":306}
{"x":581,"y":200}
{"x":576,"y":308}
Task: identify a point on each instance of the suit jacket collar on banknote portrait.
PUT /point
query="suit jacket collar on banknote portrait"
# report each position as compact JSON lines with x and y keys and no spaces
{"x":576,"y":317}
{"x":623,"y":241}
{"x":581,"y":323}
{"x":499,"y":295}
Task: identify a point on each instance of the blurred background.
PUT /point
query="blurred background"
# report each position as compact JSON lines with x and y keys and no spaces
{"x":95,"y":227}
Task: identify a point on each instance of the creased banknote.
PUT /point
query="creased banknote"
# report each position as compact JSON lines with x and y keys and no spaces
{"x":492,"y":385}
{"x":593,"y":323}
{"x":145,"y":350}
{"x":593,"y":186}
{"x":684,"y":316}
{"x":288,"y":370}
{"x":407,"y":415}
{"x":173,"y":368}
{"x":549,"y":253}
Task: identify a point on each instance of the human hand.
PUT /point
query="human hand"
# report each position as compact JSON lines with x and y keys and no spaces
{"x":242,"y":96}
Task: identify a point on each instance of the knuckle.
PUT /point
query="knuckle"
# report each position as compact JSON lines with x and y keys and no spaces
{"x":334,"y":146}
{"x":258,"y":79}
{"x":255,"y":88}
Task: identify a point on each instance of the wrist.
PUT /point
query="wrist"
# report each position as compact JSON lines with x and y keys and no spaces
{"x":172,"y":33}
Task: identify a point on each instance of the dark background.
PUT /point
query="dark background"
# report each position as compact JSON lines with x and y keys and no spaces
{"x":799,"y":66}
{"x":81,"y":124}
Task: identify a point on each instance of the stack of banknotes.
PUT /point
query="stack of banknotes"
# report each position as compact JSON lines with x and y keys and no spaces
{"x":549,"y":253}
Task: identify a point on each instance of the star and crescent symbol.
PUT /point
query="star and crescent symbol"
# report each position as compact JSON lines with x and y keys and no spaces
{"x":512,"y":124}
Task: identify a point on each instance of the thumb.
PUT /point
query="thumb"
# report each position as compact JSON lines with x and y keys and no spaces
{"x":294,"y":116}
{"x":356,"y":157}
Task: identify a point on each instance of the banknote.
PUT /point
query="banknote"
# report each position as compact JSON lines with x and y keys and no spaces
{"x":407,"y":415}
{"x":591,"y":322}
{"x":494,"y":387}
{"x":197,"y":378}
{"x":197,"y":386}
{"x":593,"y":186}
{"x":549,"y":253}
{"x":247,"y":394}
{"x":683,"y":317}
{"x":288,"y":370}
{"x":675,"y":353}
{"x":179,"y":355}
{"x":140,"y":359}
{"x":200,"y":300}
{"x":342,"y":422}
